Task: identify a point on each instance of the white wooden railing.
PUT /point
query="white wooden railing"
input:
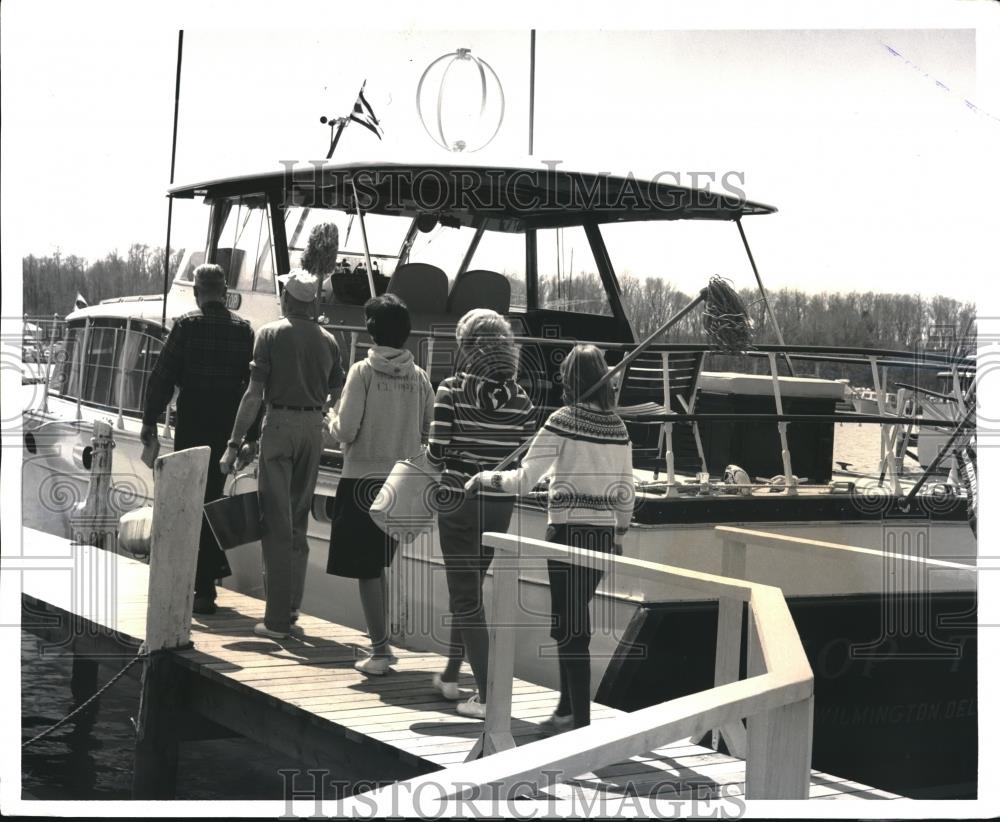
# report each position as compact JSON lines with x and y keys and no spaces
{"x":776,"y":698}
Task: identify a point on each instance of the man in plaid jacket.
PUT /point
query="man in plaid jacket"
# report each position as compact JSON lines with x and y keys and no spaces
{"x":207,"y":357}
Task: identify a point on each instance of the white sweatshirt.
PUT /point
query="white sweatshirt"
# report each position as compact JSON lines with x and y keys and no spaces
{"x":588,"y":458}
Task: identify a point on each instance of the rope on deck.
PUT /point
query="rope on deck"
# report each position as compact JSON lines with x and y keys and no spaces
{"x":140,"y":654}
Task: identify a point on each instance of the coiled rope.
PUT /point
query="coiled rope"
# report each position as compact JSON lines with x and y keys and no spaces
{"x":725,"y":318}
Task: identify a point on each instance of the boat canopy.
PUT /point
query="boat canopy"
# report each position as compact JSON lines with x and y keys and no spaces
{"x":497,"y":198}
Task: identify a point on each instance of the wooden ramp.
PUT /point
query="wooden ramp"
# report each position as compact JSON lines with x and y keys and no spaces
{"x":302,"y":697}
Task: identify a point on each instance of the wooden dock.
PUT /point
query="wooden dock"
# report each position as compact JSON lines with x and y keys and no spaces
{"x":301,"y":697}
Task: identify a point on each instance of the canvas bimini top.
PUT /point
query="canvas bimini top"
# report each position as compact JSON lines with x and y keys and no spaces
{"x":498,"y":198}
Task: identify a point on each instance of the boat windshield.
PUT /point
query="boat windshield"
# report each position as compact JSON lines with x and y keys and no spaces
{"x":684,"y":253}
{"x":385,"y":236}
{"x":568,"y":276}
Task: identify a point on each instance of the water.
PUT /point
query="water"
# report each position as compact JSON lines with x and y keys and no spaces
{"x":91,"y":757}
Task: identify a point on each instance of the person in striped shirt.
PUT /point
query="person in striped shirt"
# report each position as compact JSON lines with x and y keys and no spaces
{"x":481,"y":414}
{"x":585,"y":451}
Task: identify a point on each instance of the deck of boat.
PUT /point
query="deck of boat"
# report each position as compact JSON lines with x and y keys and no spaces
{"x":302,"y":697}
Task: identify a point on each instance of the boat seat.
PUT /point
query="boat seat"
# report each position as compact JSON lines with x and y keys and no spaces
{"x":479,"y":289}
{"x":644,"y":382}
{"x":423,"y":287}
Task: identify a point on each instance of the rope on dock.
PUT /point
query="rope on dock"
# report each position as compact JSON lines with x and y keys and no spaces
{"x":140,"y":654}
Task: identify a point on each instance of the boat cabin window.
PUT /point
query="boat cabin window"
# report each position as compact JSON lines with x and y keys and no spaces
{"x":677,"y":250}
{"x":99,"y":372}
{"x":503,"y":252}
{"x":246,"y":247}
{"x":444,"y":247}
{"x":107,"y":365}
{"x":567,"y":273}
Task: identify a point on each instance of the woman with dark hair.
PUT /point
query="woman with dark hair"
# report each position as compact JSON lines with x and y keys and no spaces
{"x":585,"y":449}
{"x":383,"y":416}
{"x":481,"y":414}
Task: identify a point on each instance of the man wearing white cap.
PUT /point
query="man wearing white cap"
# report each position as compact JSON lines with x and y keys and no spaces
{"x":297,"y":373}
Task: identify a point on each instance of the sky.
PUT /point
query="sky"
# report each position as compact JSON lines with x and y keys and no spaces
{"x":878,"y":167}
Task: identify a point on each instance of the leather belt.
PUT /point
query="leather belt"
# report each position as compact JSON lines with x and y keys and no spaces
{"x":280,"y":407}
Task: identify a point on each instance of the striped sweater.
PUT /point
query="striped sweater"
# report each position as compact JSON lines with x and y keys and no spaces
{"x":588,"y":458}
{"x":477,"y":422}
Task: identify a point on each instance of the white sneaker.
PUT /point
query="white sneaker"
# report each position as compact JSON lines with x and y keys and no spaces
{"x":260,"y":629}
{"x":472,"y":707}
{"x":449,"y":690}
{"x":375,"y":665}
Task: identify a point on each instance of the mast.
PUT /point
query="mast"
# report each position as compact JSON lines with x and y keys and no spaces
{"x":530,"y":237}
{"x":531,"y":98}
{"x":173,"y":162}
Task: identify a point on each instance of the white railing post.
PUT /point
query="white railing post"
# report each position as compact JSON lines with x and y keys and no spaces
{"x":728,"y":644}
{"x":786,"y":456}
{"x":779,"y":741}
{"x":80,"y":353}
{"x":885,"y":450}
{"x":667,"y":432}
{"x":496,"y":734}
{"x":121,"y":374}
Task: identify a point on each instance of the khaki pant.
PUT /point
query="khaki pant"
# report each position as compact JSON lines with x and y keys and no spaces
{"x":290,"y":446}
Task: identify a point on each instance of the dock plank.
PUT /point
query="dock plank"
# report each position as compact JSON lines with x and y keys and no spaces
{"x":304,"y":697}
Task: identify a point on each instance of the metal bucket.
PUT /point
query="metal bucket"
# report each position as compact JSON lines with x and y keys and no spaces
{"x":235,"y":519}
{"x":406,"y":505}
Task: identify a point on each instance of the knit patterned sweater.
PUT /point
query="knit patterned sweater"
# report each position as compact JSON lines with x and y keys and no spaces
{"x":588,"y":458}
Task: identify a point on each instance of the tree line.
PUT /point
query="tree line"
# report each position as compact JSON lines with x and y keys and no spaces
{"x":52,"y":282}
{"x":868,"y":319}
{"x":903,"y":322}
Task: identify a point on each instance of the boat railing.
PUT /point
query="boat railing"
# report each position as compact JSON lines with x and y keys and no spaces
{"x":124,"y":384}
{"x":897,"y":418}
{"x":115,"y":375}
{"x":776,"y":698}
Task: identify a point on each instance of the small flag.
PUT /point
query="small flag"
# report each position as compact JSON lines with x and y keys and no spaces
{"x":364,"y":115}
{"x":80,"y":301}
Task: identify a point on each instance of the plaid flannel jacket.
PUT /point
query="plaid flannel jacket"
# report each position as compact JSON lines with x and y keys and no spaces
{"x":206,"y":350}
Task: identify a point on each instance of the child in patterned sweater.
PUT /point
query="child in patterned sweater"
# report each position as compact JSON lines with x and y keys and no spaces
{"x":585,"y":451}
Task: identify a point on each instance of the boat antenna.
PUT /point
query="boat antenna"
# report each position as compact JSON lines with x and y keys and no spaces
{"x":531,"y":98}
{"x":763,"y":294}
{"x":173,"y":163}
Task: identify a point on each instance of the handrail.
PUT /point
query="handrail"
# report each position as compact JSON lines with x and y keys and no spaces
{"x":859,"y":355}
{"x":777,"y":698}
